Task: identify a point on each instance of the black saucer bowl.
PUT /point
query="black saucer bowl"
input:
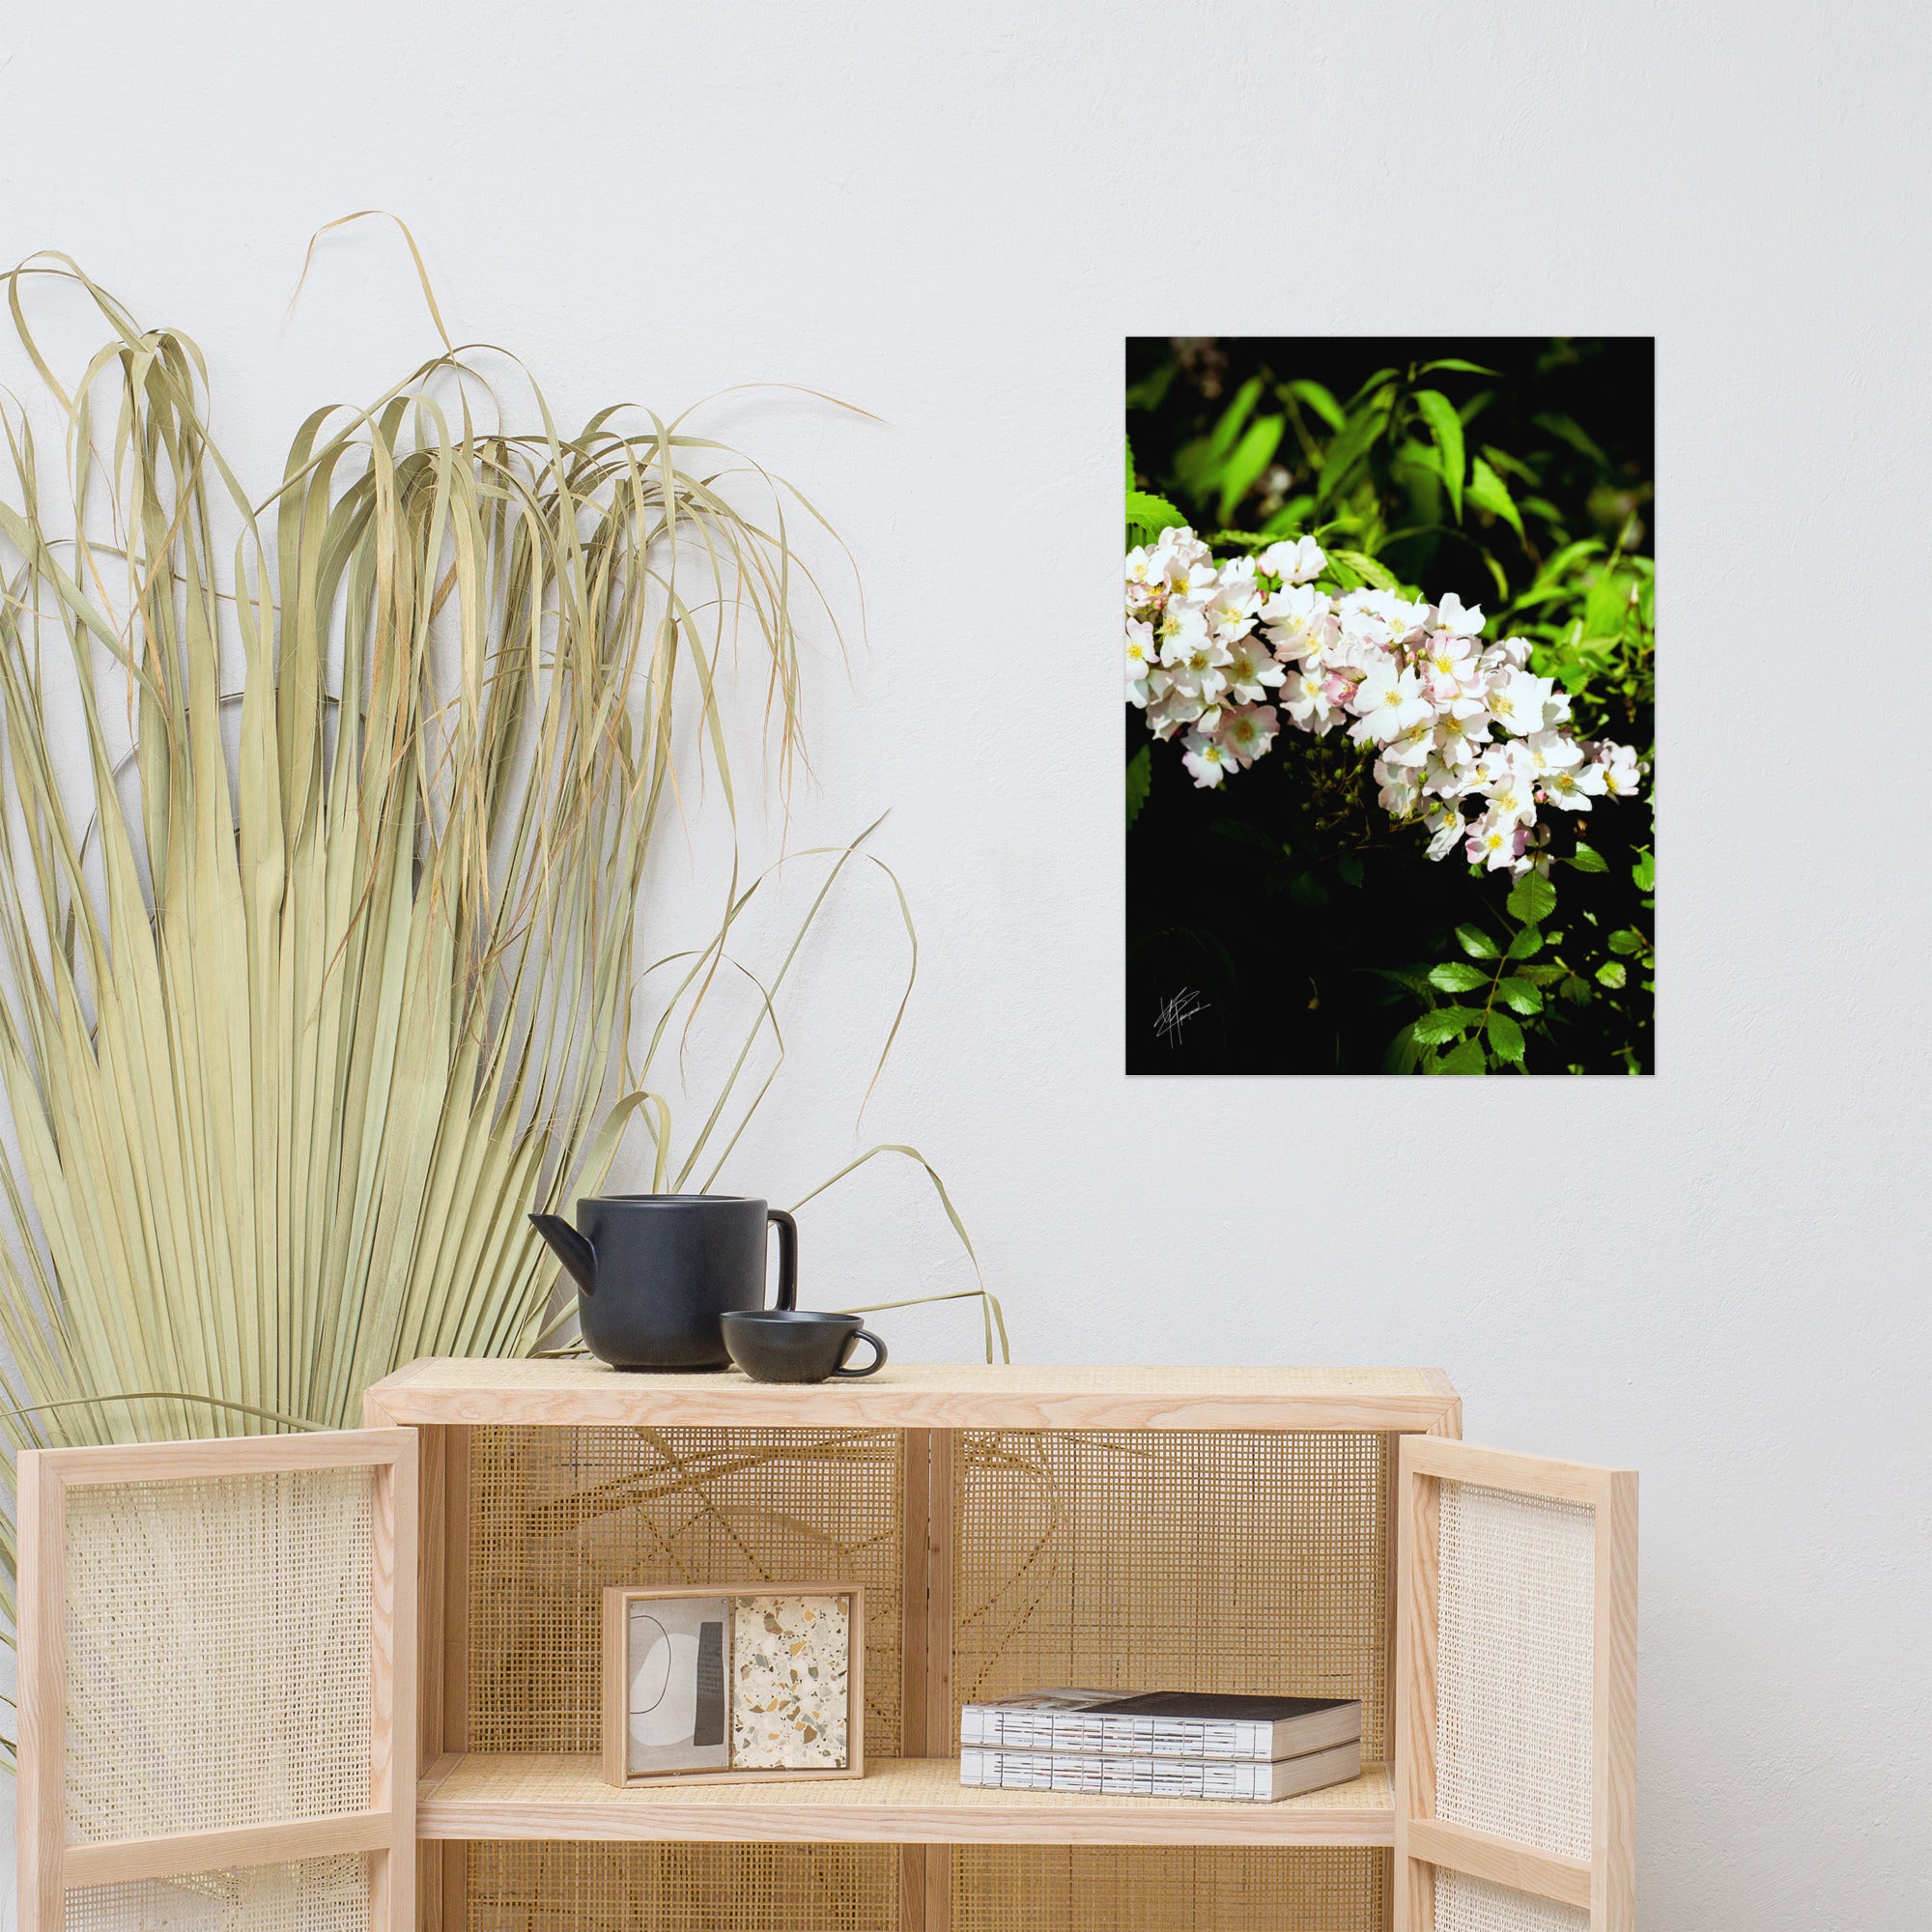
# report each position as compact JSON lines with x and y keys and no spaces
{"x":792,"y":1345}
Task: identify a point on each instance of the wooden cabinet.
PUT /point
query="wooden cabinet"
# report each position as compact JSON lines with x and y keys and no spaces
{"x":1317,"y":1530}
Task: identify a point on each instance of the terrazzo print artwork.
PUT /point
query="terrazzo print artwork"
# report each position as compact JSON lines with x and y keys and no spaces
{"x":790,"y":1657}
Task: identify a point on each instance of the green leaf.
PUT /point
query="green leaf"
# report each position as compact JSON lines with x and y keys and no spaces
{"x":1521,"y":994}
{"x":1221,"y":440}
{"x":1455,"y":362}
{"x":1350,"y":447}
{"x":1130,"y":463}
{"x":1604,"y":609}
{"x":1487,"y":493}
{"x":1541,"y":975}
{"x":1318,"y":399}
{"x":1612,"y":974}
{"x":1255,"y":452}
{"x":1239,"y":832}
{"x":1587,"y":858}
{"x":1627,"y":939}
{"x":1149,"y":392}
{"x":1453,"y":976}
{"x":1526,"y":945}
{"x":1533,"y":898}
{"x":1505,"y":1036}
{"x":1553,"y":567}
{"x":1398,"y":976}
{"x":1366,"y":568}
{"x":1198,"y":464}
{"x":1140,"y":775}
{"x":1468,"y":1058}
{"x":1507,"y":465}
{"x":1290,"y":517}
{"x":1350,"y":868}
{"x":1477,"y":943}
{"x":1147,"y":516}
{"x":1567,"y":430}
{"x":1444,"y":1023}
{"x":1446,"y":427}
{"x":1644,"y":872}
{"x":1308,"y":892}
{"x":1401,"y":1054}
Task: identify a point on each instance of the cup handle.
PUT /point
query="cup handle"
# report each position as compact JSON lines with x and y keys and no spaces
{"x":873,"y":1367}
{"x":788,"y":1257}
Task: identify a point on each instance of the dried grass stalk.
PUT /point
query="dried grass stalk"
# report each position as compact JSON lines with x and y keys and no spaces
{"x":296,"y":1027}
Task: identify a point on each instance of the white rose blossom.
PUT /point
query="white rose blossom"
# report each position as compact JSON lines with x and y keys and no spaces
{"x":1207,"y":759}
{"x":1252,"y":671}
{"x":1293,"y":563}
{"x":1249,"y":732}
{"x":1142,"y":658}
{"x":1449,"y":717}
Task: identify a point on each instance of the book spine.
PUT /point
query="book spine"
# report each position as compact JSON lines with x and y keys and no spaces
{"x":1115,"y":1776}
{"x":1013,"y":1729}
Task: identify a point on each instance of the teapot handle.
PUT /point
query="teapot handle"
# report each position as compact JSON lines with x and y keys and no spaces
{"x":788,"y":1257}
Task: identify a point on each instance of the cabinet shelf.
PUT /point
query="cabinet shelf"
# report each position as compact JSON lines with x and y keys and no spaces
{"x":917,"y":1395}
{"x":898,"y":1801}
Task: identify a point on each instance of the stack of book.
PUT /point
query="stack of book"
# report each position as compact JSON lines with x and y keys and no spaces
{"x":1164,"y":1744}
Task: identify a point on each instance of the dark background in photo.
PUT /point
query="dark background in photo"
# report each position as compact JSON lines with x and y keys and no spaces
{"x":1282,"y":922}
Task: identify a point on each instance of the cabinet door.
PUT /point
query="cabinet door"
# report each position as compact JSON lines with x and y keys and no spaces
{"x":1516,"y":1692}
{"x":217,"y":1684}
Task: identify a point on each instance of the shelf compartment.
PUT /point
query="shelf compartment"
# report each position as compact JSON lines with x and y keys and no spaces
{"x":1161,"y":1888}
{"x":1199,"y":1560}
{"x":899,"y":1802}
{"x":555,"y":1515}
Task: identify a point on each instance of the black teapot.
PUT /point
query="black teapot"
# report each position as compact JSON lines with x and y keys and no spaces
{"x":654,"y":1272}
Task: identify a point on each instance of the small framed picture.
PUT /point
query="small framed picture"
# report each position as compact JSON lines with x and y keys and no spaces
{"x":738,"y":1683}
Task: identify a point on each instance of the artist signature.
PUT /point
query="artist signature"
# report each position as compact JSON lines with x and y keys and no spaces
{"x":1174,"y":1013}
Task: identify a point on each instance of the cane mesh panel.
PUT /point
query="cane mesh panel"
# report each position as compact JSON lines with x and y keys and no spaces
{"x":218,"y":1652}
{"x":540,"y":1886}
{"x":556,"y":1515}
{"x":1464,"y":1904}
{"x":1183,"y":1561}
{"x":311,"y":1895}
{"x":1138,"y":1888}
{"x":1513,"y":1667}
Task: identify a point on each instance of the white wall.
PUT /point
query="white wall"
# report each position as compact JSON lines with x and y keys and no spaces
{"x":952,"y":218}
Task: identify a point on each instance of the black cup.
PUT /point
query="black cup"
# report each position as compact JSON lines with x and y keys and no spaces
{"x":790,"y":1345}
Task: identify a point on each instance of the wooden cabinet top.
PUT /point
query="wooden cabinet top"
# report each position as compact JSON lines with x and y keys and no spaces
{"x":917,"y":1395}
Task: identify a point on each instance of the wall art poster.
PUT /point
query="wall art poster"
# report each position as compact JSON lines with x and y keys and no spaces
{"x":1390,"y":677}
{"x":757,"y":1683}
{"x":677,"y":1702}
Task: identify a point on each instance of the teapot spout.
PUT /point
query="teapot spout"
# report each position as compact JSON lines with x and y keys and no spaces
{"x":570,"y":1248}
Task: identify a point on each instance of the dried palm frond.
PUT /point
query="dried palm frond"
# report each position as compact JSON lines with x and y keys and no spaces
{"x":318,"y":974}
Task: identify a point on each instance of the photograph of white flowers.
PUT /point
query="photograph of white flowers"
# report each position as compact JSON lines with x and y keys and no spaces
{"x":1390,"y":683}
